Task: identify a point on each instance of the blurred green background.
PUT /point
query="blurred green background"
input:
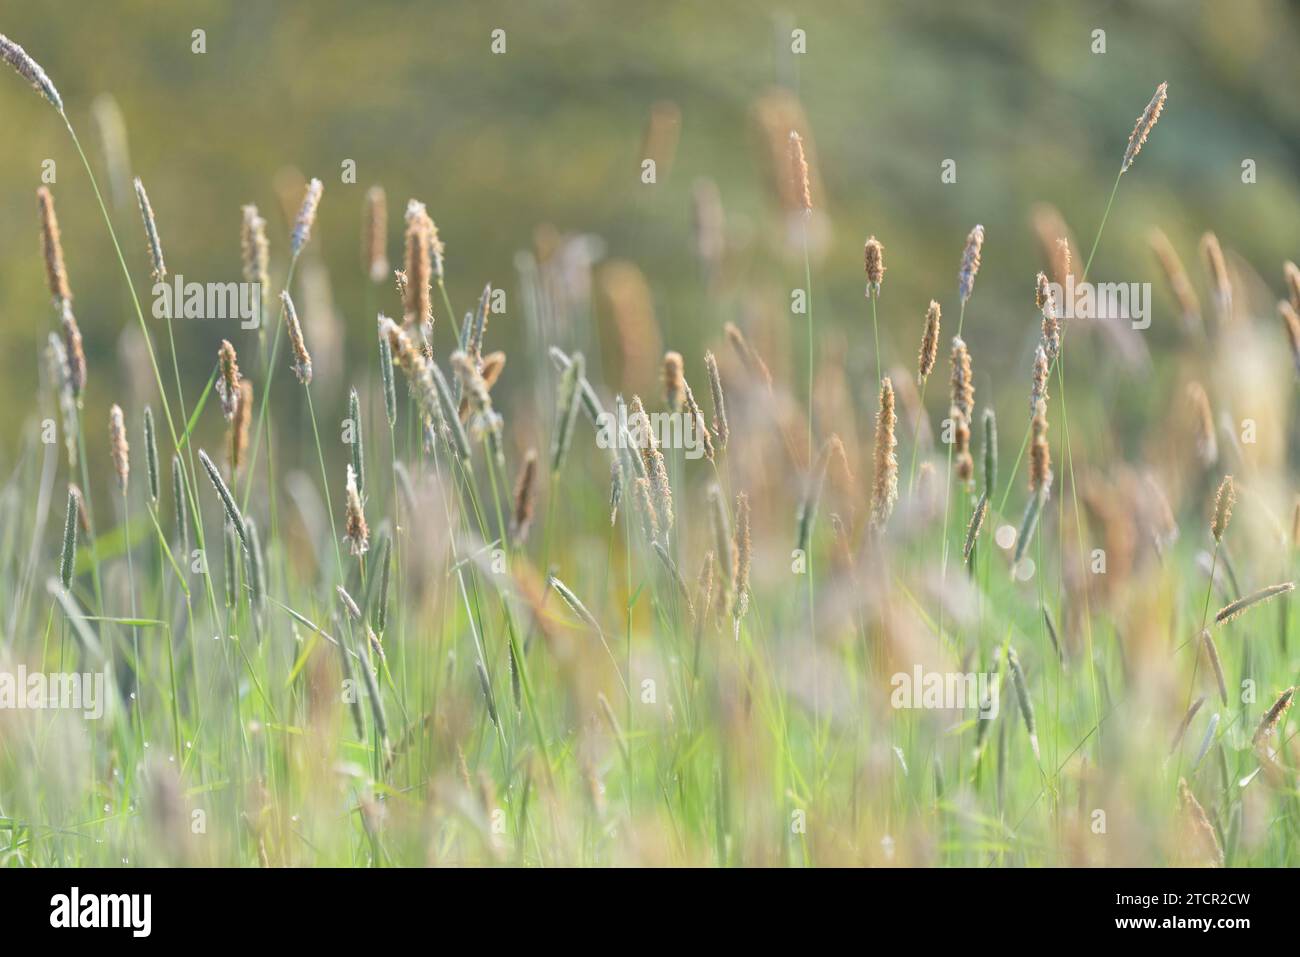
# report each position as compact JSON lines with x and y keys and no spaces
{"x":552,"y":132}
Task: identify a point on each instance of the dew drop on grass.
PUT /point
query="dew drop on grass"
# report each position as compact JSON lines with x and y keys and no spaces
{"x":1005,"y":536}
{"x":1025,"y":570}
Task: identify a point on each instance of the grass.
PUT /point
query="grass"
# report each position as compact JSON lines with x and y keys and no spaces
{"x":464,"y":693}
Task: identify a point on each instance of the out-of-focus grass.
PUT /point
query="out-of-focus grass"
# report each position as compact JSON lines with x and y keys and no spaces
{"x":781,"y":746}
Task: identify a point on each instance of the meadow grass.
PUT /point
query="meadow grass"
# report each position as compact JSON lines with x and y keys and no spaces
{"x":629,"y":655}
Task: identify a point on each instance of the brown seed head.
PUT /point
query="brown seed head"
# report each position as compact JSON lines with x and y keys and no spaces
{"x":884,"y":491}
{"x":83,"y":519}
{"x":493,"y":365}
{"x":306,"y":216}
{"x":799,"y":173}
{"x":1179,"y":284}
{"x":874,"y":260}
{"x":30,"y":71}
{"x":374,"y":235}
{"x":471,"y":381}
{"x":1051,"y":323}
{"x":1216,"y":664}
{"x":1038,"y":390}
{"x":963,"y":460}
{"x":301,"y":358}
{"x":720,"y":430}
{"x":1207,"y":446}
{"x":237,"y":438}
{"x":929,"y":343}
{"x":228,"y":379}
{"x":1218,"y":270}
{"x":56,"y":273}
{"x":255,"y":251}
{"x":418,"y":298}
{"x":358,"y":535}
{"x":1224,"y":499}
{"x":654,"y":462}
{"x":1040,"y":456}
{"x":525,"y":494}
{"x":741,"y":550}
{"x":1291,"y":272}
{"x":674,"y":381}
{"x":1272,"y":717}
{"x":118,"y":446}
{"x":749,"y":357}
{"x":963,"y":384}
{"x":697,"y":415}
{"x":1144,"y":125}
{"x":1199,"y":823}
{"x":646,"y":507}
{"x":76,"y":356}
{"x":970,"y":263}
{"x":1061,"y":260}
{"x":1291,"y":323}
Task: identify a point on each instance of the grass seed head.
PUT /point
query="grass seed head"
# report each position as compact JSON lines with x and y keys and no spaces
{"x":1291,"y":323}
{"x":158,"y":268}
{"x":970,"y":263}
{"x":1199,"y":822}
{"x":1142,"y":128}
{"x":674,"y":380}
{"x":228,"y":379}
{"x":799,"y":173}
{"x":525,"y":495}
{"x":119,"y":448}
{"x":255,"y":251}
{"x":358,"y":534}
{"x":697,"y":416}
{"x":1040,"y":455}
{"x":929,"y":343}
{"x":30,"y":70}
{"x":1291,"y":273}
{"x":151,"y":455}
{"x":1046,"y":303}
{"x":1217,"y":268}
{"x":374,"y":235}
{"x":67,"y":561}
{"x":1236,"y":608}
{"x":873,"y":256}
{"x":74,"y":352}
{"x":990,"y":450}
{"x":1207,"y":445}
{"x":418,"y":271}
{"x":963,"y":383}
{"x":884,"y":491}
{"x":720,"y":429}
{"x":301,"y":357}
{"x":741,"y":549}
{"x":1272,"y":717}
{"x":181,"y":505}
{"x":237,"y":434}
{"x":1224,"y":499}
{"x":1179,"y":283}
{"x":56,"y":272}
{"x":306,"y":216}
